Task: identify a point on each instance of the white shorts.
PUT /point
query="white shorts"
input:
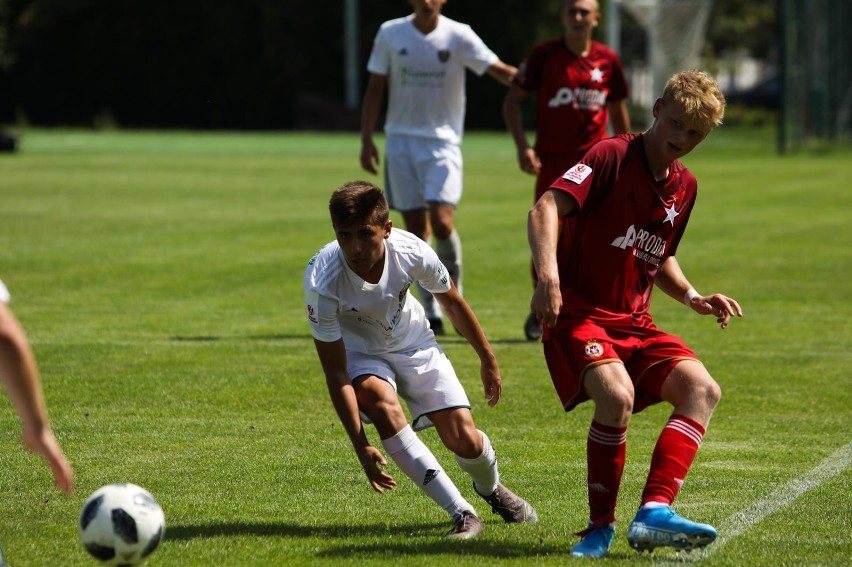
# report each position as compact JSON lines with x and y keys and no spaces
{"x":419,"y":171}
{"x":424,"y":378}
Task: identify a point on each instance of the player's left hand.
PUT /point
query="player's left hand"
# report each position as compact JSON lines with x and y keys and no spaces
{"x":492,"y":384}
{"x":722,"y":306}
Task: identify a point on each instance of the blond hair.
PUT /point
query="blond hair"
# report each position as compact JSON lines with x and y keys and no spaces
{"x":700,"y":95}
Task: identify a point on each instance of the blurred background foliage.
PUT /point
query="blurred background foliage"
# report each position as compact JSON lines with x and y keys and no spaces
{"x":259,"y":64}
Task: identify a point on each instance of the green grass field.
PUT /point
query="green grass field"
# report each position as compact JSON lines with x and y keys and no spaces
{"x":159,"y":278}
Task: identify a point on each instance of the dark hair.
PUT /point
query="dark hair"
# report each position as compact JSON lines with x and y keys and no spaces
{"x":358,"y":201}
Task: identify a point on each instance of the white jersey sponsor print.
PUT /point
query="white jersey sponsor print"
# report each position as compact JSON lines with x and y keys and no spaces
{"x":373,"y":318}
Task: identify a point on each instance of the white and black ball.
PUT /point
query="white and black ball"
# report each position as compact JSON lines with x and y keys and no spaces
{"x":121,"y":524}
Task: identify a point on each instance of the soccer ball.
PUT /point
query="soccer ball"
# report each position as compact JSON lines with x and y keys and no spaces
{"x":121,"y":524}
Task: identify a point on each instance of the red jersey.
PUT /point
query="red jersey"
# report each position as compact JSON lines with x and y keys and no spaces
{"x":625,"y":226}
{"x":572,"y":94}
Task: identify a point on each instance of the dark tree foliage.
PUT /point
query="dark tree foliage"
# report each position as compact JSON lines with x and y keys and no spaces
{"x":248,"y":64}
{"x":749,"y":27}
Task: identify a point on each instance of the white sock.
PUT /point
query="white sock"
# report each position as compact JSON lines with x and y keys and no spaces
{"x":482,"y":469}
{"x":415,"y":459}
{"x":450,"y":252}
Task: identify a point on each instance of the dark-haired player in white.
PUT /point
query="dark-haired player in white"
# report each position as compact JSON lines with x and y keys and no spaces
{"x":375,"y":345}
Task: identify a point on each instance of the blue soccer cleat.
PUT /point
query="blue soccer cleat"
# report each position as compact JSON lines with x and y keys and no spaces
{"x":662,"y":527}
{"x":595,"y":542}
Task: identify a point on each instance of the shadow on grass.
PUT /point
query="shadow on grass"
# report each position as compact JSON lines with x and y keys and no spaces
{"x":307,"y":336}
{"x":214,"y":338}
{"x":442,"y":546}
{"x":345,"y":533}
{"x":462,"y":340}
{"x":184,"y":532}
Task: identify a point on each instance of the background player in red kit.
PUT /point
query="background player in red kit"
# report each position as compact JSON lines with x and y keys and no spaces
{"x":581,"y":86}
{"x":601,"y":237}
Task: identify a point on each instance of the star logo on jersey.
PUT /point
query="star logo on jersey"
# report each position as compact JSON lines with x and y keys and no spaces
{"x":597,"y":75}
{"x":671,"y":213}
{"x":443,"y":55}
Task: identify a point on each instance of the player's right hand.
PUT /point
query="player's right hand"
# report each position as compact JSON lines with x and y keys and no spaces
{"x":529,"y":162}
{"x":42,"y":442}
{"x":546,"y":303}
{"x":369,"y":156}
{"x":379,"y":480}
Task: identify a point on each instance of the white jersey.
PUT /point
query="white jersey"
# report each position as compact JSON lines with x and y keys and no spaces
{"x":426,"y":73}
{"x":379,"y":318}
{"x":4,"y":293}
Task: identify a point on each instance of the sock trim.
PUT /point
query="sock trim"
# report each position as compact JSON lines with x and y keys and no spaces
{"x":687,"y":427}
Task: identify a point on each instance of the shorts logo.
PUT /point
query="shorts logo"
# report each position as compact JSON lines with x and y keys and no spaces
{"x":594,"y":349}
{"x":578,"y":173}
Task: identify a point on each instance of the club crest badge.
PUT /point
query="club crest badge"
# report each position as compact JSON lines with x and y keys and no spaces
{"x":594,"y":349}
{"x":443,"y":55}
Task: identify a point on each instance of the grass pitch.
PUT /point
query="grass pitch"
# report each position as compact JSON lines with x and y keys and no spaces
{"x":159,"y":278}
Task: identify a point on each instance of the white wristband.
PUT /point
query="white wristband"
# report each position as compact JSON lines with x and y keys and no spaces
{"x":690,"y":295}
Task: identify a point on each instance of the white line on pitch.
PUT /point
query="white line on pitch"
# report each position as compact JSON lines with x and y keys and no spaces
{"x":743,"y":520}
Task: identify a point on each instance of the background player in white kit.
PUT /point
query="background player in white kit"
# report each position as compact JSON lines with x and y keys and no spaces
{"x":422,"y":59}
{"x":374,"y":343}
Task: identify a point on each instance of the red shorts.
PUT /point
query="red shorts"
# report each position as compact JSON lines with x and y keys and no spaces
{"x":648,"y":354}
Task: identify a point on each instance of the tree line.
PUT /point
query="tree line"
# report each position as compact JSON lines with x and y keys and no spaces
{"x":252,"y":64}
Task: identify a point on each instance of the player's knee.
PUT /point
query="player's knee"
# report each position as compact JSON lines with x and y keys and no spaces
{"x":378,"y":407}
{"x":706,"y":392}
{"x":712,"y":393}
{"x":621,"y":404}
{"x":442,"y":231}
{"x":441,"y":220}
{"x":615,"y":407}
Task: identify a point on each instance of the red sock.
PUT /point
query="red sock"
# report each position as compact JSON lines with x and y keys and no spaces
{"x":673,"y":455}
{"x":606,"y":449}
